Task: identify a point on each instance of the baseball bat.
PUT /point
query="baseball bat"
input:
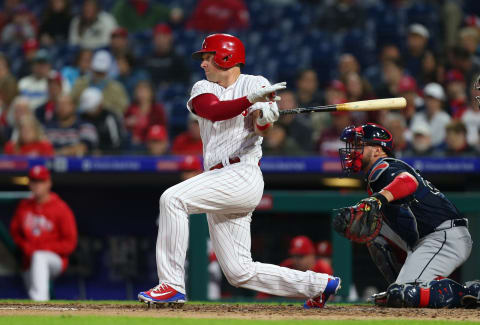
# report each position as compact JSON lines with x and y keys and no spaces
{"x":363,"y":105}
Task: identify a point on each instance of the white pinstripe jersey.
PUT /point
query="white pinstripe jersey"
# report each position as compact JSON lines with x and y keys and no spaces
{"x":234,"y":137}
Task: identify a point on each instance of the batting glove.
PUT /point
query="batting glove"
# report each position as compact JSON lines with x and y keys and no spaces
{"x":269,"y":115}
{"x":266,"y":94}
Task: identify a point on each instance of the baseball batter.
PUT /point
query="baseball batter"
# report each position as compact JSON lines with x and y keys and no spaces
{"x":234,"y":110}
{"x":417,"y":217}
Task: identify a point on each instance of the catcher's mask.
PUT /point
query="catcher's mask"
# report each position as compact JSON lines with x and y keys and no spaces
{"x":355,"y":138}
{"x":477,"y":87}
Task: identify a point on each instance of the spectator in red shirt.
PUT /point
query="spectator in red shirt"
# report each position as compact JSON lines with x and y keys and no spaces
{"x":143,"y":113}
{"x":189,"y":142}
{"x":303,"y":258}
{"x":44,"y":229}
{"x":219,"y":15}
{"x":157,"y":140}
{"x":31,"y":140}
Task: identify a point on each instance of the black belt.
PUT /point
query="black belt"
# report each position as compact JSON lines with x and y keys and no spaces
{"x":454,"y":223}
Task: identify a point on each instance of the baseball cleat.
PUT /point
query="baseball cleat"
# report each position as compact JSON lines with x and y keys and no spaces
{"x":162,"y":294}
{"x":334,"y":283}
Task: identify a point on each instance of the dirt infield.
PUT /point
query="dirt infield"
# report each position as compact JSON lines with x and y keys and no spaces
{"x":238,"y":311}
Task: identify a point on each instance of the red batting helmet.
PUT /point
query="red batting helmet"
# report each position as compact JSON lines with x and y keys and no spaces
{"x":229,"y":50}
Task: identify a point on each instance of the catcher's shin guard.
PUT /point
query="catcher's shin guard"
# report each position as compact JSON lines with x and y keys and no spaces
{"x":385,"y":257}
{"x":444,"y":293}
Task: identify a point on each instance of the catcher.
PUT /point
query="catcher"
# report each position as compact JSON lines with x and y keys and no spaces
{"x":404,"y":212}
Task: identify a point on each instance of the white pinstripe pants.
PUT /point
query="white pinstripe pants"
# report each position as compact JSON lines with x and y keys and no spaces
{"x":228,"y":196}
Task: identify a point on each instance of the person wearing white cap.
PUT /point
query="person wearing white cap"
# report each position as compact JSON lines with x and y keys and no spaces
{"x":434,"y":115}
{"x":115,"y":96}
{"x":417,"y":41}
{"x":111,"y":134}
{"x":421,"y":142}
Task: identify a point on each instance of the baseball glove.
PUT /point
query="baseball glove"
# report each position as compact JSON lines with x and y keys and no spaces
{"x":360,"y":223}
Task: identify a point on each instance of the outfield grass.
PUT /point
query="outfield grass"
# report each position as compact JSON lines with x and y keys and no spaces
{"x":96,"y":320}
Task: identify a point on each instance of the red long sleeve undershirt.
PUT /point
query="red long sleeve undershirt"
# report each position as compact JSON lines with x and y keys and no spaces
{"x":210,"y":107}
{"x":403,"y":185}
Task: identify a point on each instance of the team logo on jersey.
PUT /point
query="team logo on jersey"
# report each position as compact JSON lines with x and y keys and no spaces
{"x":377,"y":171}
{"x":37,"y":224}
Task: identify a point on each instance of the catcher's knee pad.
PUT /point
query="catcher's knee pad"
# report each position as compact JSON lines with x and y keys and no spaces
{"x":384,"y":256}
{"x":444,"y":293}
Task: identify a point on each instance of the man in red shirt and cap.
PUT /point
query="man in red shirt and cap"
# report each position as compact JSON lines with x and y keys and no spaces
{"x":44,"y":229}
{"x":303,"y":258}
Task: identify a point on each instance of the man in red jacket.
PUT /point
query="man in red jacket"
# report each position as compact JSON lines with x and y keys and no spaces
{"x":303,"y":257}
{"x":44,"y":229}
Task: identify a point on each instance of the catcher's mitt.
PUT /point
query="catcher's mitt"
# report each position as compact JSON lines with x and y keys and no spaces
{"x":360,"y":223}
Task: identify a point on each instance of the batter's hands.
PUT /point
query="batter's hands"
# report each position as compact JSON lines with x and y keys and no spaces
{"x":269,"y":114}
{"x":266,"y":94}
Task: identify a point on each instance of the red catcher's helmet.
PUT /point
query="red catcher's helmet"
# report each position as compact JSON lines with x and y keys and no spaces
{"x":229,"y":50}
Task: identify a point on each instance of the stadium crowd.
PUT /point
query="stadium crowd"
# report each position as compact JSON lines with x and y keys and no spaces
{"x":83,"y":77}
